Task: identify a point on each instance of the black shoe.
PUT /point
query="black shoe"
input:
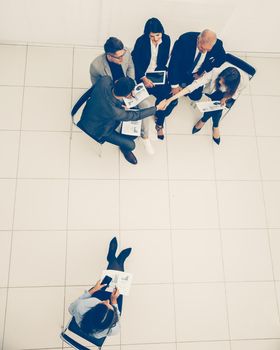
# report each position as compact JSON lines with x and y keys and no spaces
{"x":158,"y":128}
{"x":130,"y":157}
{"x":218,"y":140}
{"x":123,"y":255}
{"x":195,"y":130}
{"x":113,"y":246}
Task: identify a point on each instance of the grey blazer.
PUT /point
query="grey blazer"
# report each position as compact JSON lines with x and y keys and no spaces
{"x":99,"y":67}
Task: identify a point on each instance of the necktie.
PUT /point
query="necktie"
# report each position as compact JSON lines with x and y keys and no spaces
{"x":196,"y":60}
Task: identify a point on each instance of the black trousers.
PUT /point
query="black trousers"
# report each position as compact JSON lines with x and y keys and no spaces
{"x":161,"y":92}
{"x":125,"y":142}
{"x":215,"y":115}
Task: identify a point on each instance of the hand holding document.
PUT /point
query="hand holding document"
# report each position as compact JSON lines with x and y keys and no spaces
{"x":120,"y":280}
{"x":139,"y":94}
{"x":209,"y":106}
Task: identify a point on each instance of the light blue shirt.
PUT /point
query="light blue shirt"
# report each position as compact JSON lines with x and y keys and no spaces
{"x":82,"y":305}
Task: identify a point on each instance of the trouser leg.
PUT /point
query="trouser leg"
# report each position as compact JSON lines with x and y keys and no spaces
{"x":125,"y":142}
{"x":216,"y":117}
{"x":147,"y":103}
{"x":162,"y":92}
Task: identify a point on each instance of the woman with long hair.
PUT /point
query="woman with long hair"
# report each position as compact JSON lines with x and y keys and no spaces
{"x":151,"y":53}
{"x":96,"y":317}
{"x":221,"y":84}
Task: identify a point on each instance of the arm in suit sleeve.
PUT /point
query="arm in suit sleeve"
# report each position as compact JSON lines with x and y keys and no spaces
{"x":163,"y":59}
{"x":219,"y":55}
{"x":94,"y":74}
{"x":205,"y":79}
{"x":130,"y":69}
{"x":175,"y":64}
{"x":126,"y":115}
{"x":138,"y":62}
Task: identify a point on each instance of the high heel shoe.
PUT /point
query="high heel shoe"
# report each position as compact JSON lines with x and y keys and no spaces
{"x":159,"y":128}
{"x":195,"y":130}
{"x":217,"y":140}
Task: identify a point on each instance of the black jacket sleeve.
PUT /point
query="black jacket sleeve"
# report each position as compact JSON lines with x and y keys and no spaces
{"x":140,"y":58}
{"x":163,"y":53}
{"x":215,"y":58}
{"x":175,"y":63}
{"x":135,"y":115}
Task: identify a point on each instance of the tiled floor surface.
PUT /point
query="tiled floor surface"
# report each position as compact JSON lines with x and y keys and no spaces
{"x":203,"y":220}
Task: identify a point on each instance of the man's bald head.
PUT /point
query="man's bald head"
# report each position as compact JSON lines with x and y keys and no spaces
{"x":206,"y":40}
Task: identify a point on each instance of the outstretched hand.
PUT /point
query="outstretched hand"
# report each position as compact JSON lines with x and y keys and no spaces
{"x":161,"y":106}
{"x":97,"y":287}
{"x":114,"y":296}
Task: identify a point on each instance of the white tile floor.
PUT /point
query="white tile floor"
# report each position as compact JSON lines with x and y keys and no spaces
{"x":203,"y":220}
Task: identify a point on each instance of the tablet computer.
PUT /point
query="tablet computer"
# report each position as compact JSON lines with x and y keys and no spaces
{"x":157,"y":77}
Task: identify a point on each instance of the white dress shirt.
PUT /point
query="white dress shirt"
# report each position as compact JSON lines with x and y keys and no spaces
{"x":201,"y":60}
{"x":82,"y":305}
{"x":154,"y":54}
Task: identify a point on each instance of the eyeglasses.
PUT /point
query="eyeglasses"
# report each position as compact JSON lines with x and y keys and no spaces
{"x":118,"y":57}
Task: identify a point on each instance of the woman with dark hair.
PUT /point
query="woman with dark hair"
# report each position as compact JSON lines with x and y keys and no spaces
{"x":221,"y":84}
{"x":96,"y":317}
{"x":151,"y":53}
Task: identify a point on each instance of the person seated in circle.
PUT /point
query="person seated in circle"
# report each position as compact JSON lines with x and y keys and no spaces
{"x":95,"y":317}
{"x":150,"y":54}
{"x":221,"y":84}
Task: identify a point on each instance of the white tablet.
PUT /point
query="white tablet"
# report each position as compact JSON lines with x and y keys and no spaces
{"x":157,"y":77}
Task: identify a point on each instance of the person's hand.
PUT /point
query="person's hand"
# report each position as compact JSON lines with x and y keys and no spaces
{"x":97,"y":287}
{"x":223,"y":101}
{"x":147,"y":82}
{"x":125,"y":107}
{"x":114,"y":296}
{"x":175,"y":91}
{"x":161,"y":106}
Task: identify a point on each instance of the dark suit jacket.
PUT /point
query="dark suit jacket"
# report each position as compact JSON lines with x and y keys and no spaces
{"x":103,"y":112}
{"x":183,"y":55}
{"x":141,"y":55}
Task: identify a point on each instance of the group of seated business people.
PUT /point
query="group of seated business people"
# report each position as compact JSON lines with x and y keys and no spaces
{"x":194,"y":69}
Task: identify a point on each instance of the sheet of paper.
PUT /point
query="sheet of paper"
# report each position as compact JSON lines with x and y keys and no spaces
{"x":209,"y":106}
{"x":121,"y":280}
{"x":132,"y":128}
{"x":139,"y":93}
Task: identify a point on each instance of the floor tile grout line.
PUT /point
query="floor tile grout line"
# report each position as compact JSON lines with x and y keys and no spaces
{"x":266,"y":214}
{"x":171,"y":343}
{"x":221,"y":244}
{"x":168,"y":134}
{"x":227,"y":282}
{"x":171,"y":244}
{"x":144,"y":229}
{"x":14,"y":208}
{"x":136,"y":180}
{"x":77,"y":46}
{"x":67,"y":214}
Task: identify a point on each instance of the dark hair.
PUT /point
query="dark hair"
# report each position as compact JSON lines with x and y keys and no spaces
{"x":98,"y":319}
{"x":124,"y":86}
{"x":231,"y":78}
{"x":112,"y":45}
{"x":153,"y":25}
